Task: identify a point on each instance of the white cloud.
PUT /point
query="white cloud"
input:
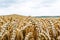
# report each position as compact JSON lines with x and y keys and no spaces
{"x":33,"y":7}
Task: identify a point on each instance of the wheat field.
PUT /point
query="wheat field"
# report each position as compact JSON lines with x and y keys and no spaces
{"x":17,"y":27}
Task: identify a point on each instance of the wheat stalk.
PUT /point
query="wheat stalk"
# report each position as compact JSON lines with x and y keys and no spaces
{"x":44,"y":29}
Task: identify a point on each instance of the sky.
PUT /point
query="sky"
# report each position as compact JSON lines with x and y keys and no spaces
{"x":30,"y":7}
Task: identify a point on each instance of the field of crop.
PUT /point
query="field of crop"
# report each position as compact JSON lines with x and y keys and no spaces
{"x":17,"y":27}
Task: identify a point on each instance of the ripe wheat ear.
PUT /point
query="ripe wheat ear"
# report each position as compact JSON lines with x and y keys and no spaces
{"x":15,"y":27}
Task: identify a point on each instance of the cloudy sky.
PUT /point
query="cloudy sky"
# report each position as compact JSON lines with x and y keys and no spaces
{"x":30,"y":7}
